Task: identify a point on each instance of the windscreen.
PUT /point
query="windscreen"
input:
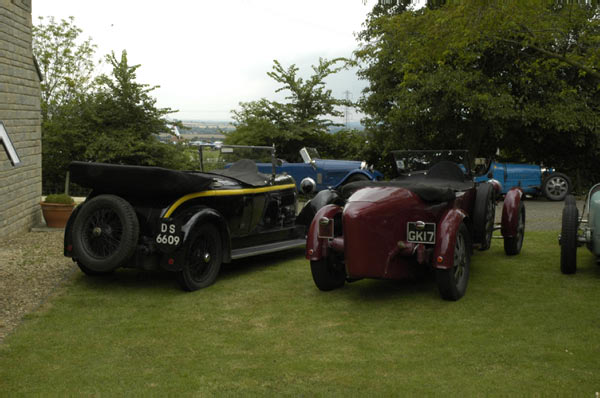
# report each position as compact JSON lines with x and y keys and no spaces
{"x":217,"y":157}
{"x":408,"y":162}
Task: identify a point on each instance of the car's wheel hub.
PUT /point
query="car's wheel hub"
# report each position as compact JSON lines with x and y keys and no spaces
{"x":557,"y":186}
{"x":459,"y":258}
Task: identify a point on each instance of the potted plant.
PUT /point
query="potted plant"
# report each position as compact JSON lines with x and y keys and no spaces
{"x":57,"y":209}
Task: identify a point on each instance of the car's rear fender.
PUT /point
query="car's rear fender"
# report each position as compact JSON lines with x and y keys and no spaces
{"x":447,"y":228}
{"x":310,"y":209}
{"x":316,"y":248}
{"x":203,"y":215}
{"x":510,"y":212}
{"x":365,"y":173}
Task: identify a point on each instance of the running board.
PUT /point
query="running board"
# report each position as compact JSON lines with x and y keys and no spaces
{"x":268,"y":248}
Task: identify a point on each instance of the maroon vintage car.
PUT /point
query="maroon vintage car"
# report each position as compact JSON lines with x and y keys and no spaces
{"x":432,"y":215}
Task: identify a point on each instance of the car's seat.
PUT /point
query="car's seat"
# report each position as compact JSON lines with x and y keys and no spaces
{"x":445,"y":170}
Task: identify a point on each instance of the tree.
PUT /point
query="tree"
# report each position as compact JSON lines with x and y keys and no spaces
{"x":115,"y":123}
{"x":303,"y":120}
{"x":106,"y":119}
{"x":515,"y":75}
{"x":65,"y":61}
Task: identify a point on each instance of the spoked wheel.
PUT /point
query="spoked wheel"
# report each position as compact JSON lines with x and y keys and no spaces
{"x":568,"y":238}
{"x":452,"y":282}
{"x":105,"y":234}
{"x":513,"y":245}
{"x":556,"y":186}
{"x":328,"y":273}
{"x":203,"y":260}
{"x":484,"y":215}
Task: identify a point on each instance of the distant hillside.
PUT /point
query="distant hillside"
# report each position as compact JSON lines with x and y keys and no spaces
{"x":349,"y":126}
{"x":214,"y":128}
{"x":206,"y":127}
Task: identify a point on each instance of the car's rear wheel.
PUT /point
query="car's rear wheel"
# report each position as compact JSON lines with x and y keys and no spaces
{"x":105,"y":234}
{"x":556,"y":186}
{"x":568,"y":239}
{"x":452,"y":282}
{"x":203,"y":259}
{"x":328,"y":273}
{"x":484,"y":215}
{"x":513,"y":244}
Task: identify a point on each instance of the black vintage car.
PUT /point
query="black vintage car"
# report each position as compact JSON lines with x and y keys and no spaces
{"x":182,"y":221}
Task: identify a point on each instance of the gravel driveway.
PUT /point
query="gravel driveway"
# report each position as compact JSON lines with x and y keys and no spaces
{"x":32,"y":266}
{"x":540,"y":214}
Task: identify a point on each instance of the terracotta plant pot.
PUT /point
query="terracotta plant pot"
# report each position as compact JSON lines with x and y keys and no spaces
{"x":56,"y":214}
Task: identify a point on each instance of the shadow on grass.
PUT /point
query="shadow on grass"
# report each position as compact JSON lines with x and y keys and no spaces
{"x":376,"y":290}
{"x":586,"y":266}
{"x":244,"y":266}
{"x":130,"y":279}
{"x":137,"y":279}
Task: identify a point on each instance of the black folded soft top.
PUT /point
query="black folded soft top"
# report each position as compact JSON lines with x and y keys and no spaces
{"x":439,"y":184}
{"x":139,"y":181}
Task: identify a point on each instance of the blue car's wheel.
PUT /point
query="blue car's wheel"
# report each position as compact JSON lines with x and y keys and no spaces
{"x":556,"y":186}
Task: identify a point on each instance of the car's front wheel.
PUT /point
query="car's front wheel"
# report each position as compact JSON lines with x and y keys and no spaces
{"x":105,"y":234}
{"x":568,"y":238}
{"x":203,"y":259}
{"x":556,"y":186}
{"x":452,"y":282}
{"x":513,"y":244}
{"x":328,"y":273}
{"x":484,"y":215}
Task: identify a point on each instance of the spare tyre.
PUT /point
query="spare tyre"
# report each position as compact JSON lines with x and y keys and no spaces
{"x":105,"y":233}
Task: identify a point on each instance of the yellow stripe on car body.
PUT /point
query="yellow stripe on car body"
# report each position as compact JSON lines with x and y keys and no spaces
{"x":225,"y":192}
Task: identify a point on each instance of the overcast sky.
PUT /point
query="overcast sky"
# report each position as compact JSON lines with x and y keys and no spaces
{"x":207,"y":56}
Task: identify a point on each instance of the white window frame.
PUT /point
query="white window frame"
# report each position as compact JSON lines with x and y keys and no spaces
{"x":8,"y":146}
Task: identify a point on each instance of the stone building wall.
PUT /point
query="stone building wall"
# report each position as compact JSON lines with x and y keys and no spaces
{"x":21,"y":186}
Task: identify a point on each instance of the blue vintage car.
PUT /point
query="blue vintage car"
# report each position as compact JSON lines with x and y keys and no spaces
{"x":532,"y":179}
{"x":578,"y":231}
{"x":316,"y":174}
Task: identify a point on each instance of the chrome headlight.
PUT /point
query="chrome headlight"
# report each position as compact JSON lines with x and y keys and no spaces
{"x":363,"y":165}
{"x":308,"y":185}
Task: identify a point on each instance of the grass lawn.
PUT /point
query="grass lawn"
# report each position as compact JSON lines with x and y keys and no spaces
{"x":264,"y":329}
